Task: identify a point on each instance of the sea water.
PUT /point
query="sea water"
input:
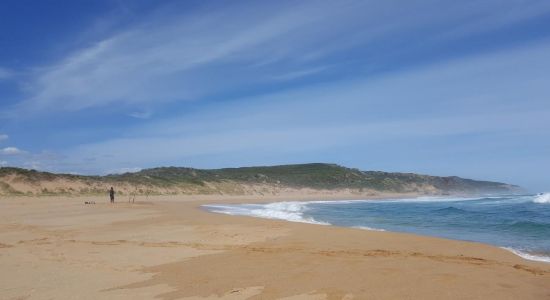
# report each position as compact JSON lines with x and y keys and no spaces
{"x":518,"y":223}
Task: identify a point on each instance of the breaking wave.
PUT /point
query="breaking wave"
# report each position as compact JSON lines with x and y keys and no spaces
{"x":528,"y":256}
{"x":542,"y":198}
{"x":288,"y":211}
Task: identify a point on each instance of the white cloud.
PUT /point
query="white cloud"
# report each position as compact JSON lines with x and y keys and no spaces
{"x":3,"y":137}
{"x":11,"y":151}
{"x":3,"y":163}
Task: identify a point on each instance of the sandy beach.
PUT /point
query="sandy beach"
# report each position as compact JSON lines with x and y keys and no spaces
{"x":169,"y":248}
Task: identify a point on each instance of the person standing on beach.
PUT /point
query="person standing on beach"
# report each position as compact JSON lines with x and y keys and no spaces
{"x":112,"y":194}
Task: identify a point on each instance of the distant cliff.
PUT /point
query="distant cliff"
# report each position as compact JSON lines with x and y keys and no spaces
{"x":245,"y":181}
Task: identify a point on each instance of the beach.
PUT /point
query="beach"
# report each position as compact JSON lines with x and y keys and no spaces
{"x":169,"y":247}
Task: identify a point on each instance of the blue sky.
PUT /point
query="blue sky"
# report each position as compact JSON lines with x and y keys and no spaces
{"x":434,"y":87}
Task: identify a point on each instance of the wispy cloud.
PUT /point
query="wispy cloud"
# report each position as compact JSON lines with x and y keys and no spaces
{"x":299,"y":74}
{"x":172,"y":58}
{"x":141,"y":114}
{"x":3,"y":137}
{"x":151,"y":62}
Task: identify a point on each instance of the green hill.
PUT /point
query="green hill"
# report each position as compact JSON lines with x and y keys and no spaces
{"x":176,"y":180}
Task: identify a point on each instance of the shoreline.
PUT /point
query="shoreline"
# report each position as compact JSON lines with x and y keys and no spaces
{"x":170,"y":248}
{"x":223,"y":209}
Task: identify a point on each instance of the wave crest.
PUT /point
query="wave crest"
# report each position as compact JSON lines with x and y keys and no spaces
{"x":528,"y":256}
{"x":529,"y":227}
{"x":288,"y":211}
{"x":542,"y":198}
{"x":450,"y":210}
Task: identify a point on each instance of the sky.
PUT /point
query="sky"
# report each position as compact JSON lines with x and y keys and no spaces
{"x":433,"y":87}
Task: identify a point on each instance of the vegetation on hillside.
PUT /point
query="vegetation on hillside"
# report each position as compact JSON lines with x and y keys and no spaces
{"x":313,"y":176}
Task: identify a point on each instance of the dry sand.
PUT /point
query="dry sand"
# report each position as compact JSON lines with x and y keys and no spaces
{"x":169,"y":248}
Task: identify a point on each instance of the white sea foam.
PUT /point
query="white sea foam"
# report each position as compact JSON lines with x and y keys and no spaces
{"x":368,"y":228}
{"x":289,"y":211}
{"x":542,"y":198}
{"x":528,"y":256}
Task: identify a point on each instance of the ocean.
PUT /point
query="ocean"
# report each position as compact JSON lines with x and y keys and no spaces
{"x":518,"y":223}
